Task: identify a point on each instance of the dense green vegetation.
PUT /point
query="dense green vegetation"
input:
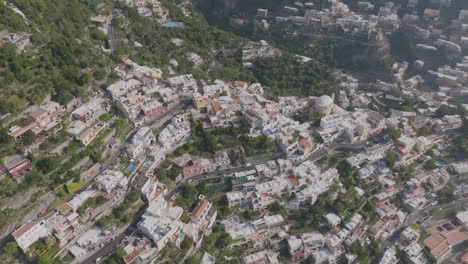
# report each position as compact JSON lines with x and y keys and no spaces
{"x":394,"y":133}
{"x":188,"y":195}
{"x":197,"y":35}
{"x":206,"y":142}
{"x":166,"y":171}
{"x":119,"y":215}
{"x":93,"y":202}
{"x":369,"y":63}
{"x":61,"y":61}
{"x":390,"y":159}
{"x":286,"y":75}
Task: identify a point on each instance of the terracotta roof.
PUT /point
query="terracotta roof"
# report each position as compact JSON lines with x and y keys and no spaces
{"x":64,"y":208}
{"x":130,"y":257}
{"x":293,"y":180}
{"x":440,"y":241}
{"x":22,"y":230}
{"x":240,"y":83}
{"x":216,"y":106}
{"x":199,"y":209}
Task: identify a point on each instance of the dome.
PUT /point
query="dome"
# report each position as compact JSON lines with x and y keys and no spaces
{"x":324,"y":101}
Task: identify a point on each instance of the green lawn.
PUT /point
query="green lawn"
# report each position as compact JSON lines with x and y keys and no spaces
{"x":65,"y":190}
{"x":74,"y":186}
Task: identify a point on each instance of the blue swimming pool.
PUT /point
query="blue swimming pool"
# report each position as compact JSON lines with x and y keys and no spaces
{"x":173,"y":24}
{"x":131,"y":167}
{"x":440,"y":163}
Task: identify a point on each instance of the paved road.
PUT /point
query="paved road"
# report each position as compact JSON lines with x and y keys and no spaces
{"x":219,"y":174}
{"x":110,"y":247}
{"x":414,"y":217}
{"x":153,"y":123}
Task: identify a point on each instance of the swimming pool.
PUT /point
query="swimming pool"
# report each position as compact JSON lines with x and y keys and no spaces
{"x":131,"y":167}
{"x":173,"y":24}
{"x":440,"y":163}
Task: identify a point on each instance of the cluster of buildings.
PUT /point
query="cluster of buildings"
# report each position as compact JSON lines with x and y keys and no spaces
{"x":329,"y":248}
{"x":138,"y":95}
{"x":444,"y":237}
{"x":260,"y":232}
{"x":409,"y":244}
{"x":304,"y":182}
{"x":151,"y":150}
{"x":367,"y":25}
{"x":352,"y":127}
{"x":149,"y":8}
{"x":143,"y":140}
{"x":87,"y":124}
{"x":192,"y":166}
{"x":254,"y":50}
{"x":162,"y":224}
{"x":65,"y":223}
{"x":16,"y":166}
{"x":41,"y":120}
{"x":61,"y":225}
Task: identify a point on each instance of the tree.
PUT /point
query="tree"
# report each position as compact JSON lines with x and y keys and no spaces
{"x":224,"y":240}
{"x":99,"y":74}
{"x":274,"y":207}
{"x":187,"y":195}
{"x":394,"y":133}
{"x":346,"y":173}
{"x":202,"y":188}
{"x":390,"y":159}
{"x":47,"y":164}
{"x":11,"y":248}
{"x":28,"y":138}
{"x":192,"y":260}
{"x":35,"y":178}
{"x":430,"y":164}
{"x":44,"y":259}
{"x":186,"y":244}
{"x":4,"y":137}
{"x":318,"y":138}
{"x":445,"y":195}
{"x":8,"y":187}
{"x":340,"y":208}
{"x":105,"y":117}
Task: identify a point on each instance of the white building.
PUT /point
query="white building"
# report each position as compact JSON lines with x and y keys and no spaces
{"x":175,"y":133}
{"x":324,"y":104}
{"x":160,"y":222}
{"x":88,"y":112}
{"x":110,"y":180}
{"x":29,"y":233}
{"x":460,"y":167}
{"x":185,"y":84}
{"x":265,"y":257}
{"x":143,"y":140}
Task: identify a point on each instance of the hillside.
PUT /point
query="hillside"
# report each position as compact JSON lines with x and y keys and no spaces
{"x":63,"y":58}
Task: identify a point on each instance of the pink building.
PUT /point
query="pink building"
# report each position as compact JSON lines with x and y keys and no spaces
{"x":16,"y":165}
{"x":152,"y":108}
{"x":190,"y":165}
